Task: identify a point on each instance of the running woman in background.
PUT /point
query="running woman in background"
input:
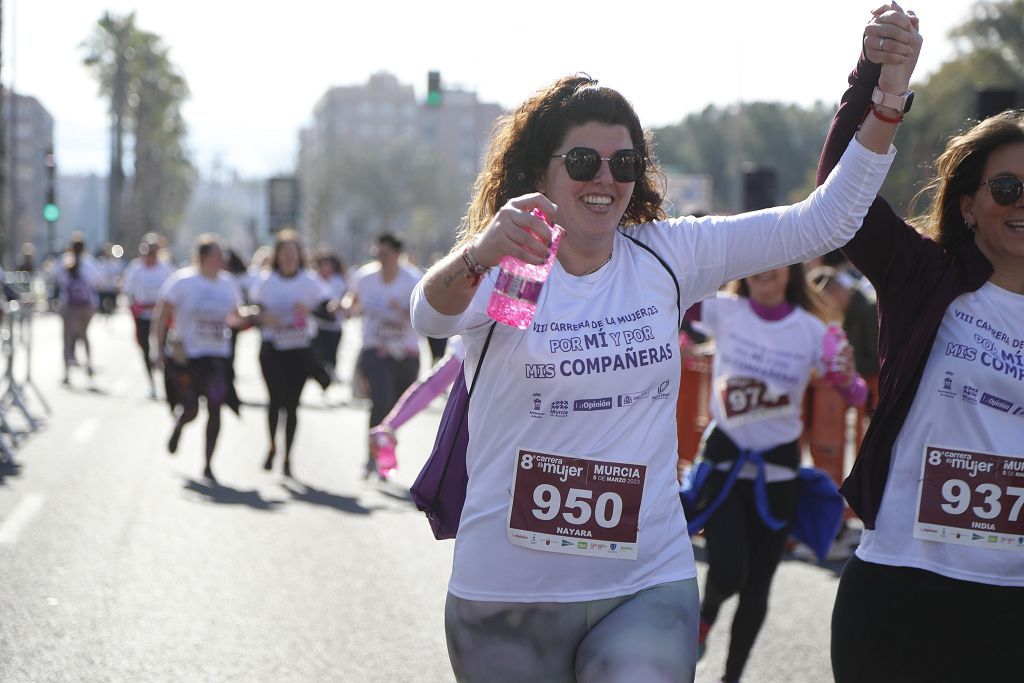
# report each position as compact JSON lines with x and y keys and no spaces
{"x":417,"y":397}
{"x":769,"y":339}
{"x":203,"y":301}
{"x":288,"y":296}
{"x":390,"y":356}
{"x":143,"y":280}
{"x":572,"y":561}
{"x":328,"y":336}
{"x":76,"y":277}
{"x":935,"y":591}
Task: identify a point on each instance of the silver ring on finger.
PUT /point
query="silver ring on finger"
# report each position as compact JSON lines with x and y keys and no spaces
{"x":881,"y":44}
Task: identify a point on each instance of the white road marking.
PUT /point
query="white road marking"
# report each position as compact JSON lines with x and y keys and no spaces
{"x":85,"y":429}
{"x":20,"y":516}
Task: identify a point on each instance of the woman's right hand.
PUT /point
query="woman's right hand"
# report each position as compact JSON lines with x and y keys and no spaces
{"x":893,"y":40}
{"x":516,"y":232}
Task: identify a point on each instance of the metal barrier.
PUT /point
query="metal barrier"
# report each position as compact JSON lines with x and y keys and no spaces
{"x":17,"y":420}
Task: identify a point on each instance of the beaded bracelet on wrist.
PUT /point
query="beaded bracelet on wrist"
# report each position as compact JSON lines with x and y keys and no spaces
{"x":476,"y":271}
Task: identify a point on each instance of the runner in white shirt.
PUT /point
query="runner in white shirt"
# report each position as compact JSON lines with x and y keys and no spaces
{"x":572,"y":560}
{"x":769,"y":339}
{"x":203,"y":302}
{"x":143,"y":280}
{"x":328,"y":337}
{"x":76,"y":277}
{"x":289,"y":297}
{"x":389,"y":359}
{"x":935,"y":591}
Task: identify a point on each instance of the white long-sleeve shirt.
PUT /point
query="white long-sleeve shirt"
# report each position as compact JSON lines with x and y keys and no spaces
{"x":597,"y":377}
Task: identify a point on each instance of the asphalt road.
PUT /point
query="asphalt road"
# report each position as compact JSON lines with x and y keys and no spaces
{"x":119,"y":562}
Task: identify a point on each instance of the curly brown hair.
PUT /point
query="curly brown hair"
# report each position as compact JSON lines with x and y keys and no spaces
{"x":523,"y":142}
{"x":958,"y":172}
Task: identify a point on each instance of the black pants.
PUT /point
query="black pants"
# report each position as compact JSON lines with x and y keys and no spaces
{"x":906,"y":625}
{"x":742,"y":556}
{"x":142,"y":327}
{"x":285,"y":373}
{"x":326,"y":344}
{"x":388,"y":379}
{"x":437,"y":346}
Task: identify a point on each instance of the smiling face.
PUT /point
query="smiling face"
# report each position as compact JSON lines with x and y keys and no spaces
{"x":589,"y":210}
{"x":999,"y":230}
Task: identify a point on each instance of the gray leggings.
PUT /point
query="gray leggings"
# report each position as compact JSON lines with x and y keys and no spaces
{"x":649,"y":636}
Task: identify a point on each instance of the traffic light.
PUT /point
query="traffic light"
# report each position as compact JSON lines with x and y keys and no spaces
{"x":51,"y":212}
{"x":433,"y":88}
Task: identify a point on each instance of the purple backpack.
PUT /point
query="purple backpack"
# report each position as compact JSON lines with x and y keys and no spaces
{"x":440,"y":488}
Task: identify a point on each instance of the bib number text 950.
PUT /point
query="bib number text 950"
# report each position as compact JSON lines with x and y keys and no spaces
{"x":606,"y":510}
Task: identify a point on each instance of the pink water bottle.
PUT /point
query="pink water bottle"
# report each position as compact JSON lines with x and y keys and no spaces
{"x":835,"y":343}
{"x":382,"y":445}
{"x":514,"y":299}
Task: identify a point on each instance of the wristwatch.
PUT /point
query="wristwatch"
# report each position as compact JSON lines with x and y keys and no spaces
{"x":898,"y":102}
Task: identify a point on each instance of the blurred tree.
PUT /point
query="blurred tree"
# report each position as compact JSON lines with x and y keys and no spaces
{"x":989,"y":54}
{"x":145,"y":90}
{"x":358,"y":192}
{"x":719,"y":142}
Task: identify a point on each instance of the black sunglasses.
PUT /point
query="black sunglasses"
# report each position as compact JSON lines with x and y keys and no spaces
{"x":1006,"y":190}
{"x":583,"y":163}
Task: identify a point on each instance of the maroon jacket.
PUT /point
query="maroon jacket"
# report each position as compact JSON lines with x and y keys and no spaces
{"x":916,"y":281}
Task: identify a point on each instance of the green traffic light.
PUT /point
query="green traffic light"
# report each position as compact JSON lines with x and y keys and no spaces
{"x":434,"y":98}
{"x":51,"y":212}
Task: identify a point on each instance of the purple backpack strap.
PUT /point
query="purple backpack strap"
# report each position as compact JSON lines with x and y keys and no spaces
{"x":440,"y":489}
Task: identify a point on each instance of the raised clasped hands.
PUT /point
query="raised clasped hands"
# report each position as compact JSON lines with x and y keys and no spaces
{"x":892,"y":38}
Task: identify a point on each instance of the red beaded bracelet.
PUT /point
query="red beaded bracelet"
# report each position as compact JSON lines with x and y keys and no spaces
{"x":882,"y":117}
{"x":476,"y":271}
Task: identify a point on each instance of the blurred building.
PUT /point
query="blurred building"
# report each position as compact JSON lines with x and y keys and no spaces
{"x":83,"y":208}
{"x":28,"y":131}
{"x":688,"y":194}
{"x":370,"y":129}
{"x":223,"y":202}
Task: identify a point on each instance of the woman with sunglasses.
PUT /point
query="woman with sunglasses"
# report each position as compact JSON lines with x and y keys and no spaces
{"x":935,"y":591}
{"x":572,"y":560}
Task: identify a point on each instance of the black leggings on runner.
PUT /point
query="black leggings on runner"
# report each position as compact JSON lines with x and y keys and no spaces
{"x":907,"y":625}
{"x":326,"y":344}
{"x":285,"y":373}
{"x":142,"y":327}
{"x":742,"y":556}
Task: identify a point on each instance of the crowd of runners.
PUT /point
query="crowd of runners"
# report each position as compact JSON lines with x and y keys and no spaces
{"x":573,"y":559}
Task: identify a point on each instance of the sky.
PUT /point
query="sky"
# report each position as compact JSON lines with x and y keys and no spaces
{"x":257,"y":68}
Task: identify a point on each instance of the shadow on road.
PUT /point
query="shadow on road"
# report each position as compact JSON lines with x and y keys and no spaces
{"x":9,"y":469}
{"x":397,"y":493}
{"x":308,"y":494}
{"x":225,"y":495}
